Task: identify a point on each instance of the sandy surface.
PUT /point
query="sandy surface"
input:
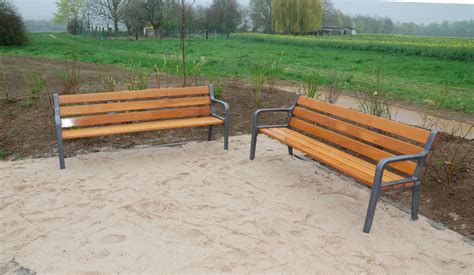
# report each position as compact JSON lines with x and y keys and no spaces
{"x":197,"y":208}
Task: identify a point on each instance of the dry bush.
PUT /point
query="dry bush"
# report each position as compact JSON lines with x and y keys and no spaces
{"x":5,"y":92}
{"x":109,"y":83}
{"x":219,"y":86}
{"x":375,"y":101}
{"x":196,"y":70}
{"x":70,"y":77}
{"x":311,"y":86}
{"x":452,"y":155}
{"x":334,"y":90}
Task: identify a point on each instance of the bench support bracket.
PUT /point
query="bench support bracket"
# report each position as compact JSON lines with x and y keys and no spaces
{"x":226,"y":117}
{"x":59,"y":132}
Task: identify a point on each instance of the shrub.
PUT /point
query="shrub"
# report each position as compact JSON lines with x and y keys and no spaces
{"x":311,"y":85}
{"x":3,"y":154}
{"x":219,"y":88}
{"x":375,"y":101}
{"x":12,"y":28}
{"x":74,"y":26}
{"x":109,"y":83}
{"x":257,"y":80}
{"x":70,"y":77}
{"x":333,"y":90}
{"x":37,"y":85}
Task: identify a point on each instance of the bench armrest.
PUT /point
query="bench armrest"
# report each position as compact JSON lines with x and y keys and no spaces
{"x":226,"y":109}
{"x":275,"y":110}
{"x":420,"y":158}
{"x":382,"y":165}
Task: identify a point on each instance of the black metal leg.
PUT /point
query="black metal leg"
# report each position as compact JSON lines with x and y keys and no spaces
{"x":62,"y":164}
{"x":209,"y":133}
{"x":369,"y":218}
{"x":290,"y":150}
{"x":415,"y":203}
{"x":253,"y":146}
{"x":226,"y":135}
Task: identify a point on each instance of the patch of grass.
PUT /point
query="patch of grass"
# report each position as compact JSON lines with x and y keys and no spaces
{"x":413,"y":79}
{"x":3,"y":154}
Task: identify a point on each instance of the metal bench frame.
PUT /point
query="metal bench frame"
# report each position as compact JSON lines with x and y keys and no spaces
{"x":377,"y":186}
{"x":214,"y":101}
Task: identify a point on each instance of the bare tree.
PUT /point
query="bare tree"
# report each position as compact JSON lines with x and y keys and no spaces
{"x":112,"y":10}
{"x":225,"y":15}
{"x":184,"y":8}
{"x":153,"y":14}
{"x":261,"y":15}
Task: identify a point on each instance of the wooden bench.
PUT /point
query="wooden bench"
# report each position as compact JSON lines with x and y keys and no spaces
{"x":381,"y":153}
{"x":101,"y":114}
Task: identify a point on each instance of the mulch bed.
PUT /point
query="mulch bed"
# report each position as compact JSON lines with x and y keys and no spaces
{"x":27,"y":130}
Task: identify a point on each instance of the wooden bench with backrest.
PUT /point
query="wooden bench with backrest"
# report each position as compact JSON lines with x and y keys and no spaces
{"x":111,"y":113}
{"x":381,"y":153}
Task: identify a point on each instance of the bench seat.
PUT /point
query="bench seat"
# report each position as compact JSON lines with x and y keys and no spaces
{"x":360,"y":169}
{"x":141,"y":127}
{"x":380,"y":153}
{"x":90,"y":115}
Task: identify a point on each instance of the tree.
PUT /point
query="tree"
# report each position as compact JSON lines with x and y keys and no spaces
{"x":202,"y":19}
{"x":112,"y":10}
{"x":261,"y":15}
{"x":153,"y":14}
{"x":225,"y":16}
{"x":69,"y":12}
{"x":297,"y":16}
{"x":171,"y":15}
{"x":134,"y":17}
{"x":12,"y":28}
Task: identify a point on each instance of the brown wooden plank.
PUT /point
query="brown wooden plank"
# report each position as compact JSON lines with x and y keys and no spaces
{"x":133,"y":105}
{"x":128,"y":95}
{"x":387,"y":142}
{"x":140,"y":127}
{"x":397,"y":128}
{"x":357,"y":162}
{"x":134,"y":116}
{"x":357,"y":169}
{"x":351,"y":144}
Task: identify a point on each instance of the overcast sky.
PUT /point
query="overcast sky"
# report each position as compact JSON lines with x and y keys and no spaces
{"x":398,"y":10}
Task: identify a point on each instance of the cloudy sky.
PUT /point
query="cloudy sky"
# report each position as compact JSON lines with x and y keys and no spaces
{"x":418,"y":11}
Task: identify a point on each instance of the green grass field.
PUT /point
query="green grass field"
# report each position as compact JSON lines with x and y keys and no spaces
{"x":410,"y":77}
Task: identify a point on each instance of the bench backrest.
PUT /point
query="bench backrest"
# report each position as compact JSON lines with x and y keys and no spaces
{"x":93,"y":109}
{"x":359,"y":133}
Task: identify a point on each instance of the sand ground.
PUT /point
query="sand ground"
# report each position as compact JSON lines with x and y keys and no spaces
{"x":196,"y":208}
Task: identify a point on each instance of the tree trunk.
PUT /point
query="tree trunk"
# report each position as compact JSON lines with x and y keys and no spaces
{"x":116,"y":26}
{"x":182,"y":40}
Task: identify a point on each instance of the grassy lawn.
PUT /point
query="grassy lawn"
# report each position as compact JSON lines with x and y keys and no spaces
{"x":444,"y":83}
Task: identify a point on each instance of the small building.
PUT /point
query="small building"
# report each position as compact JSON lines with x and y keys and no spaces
{"x":149,"y":32}
{"x":327,"y":30}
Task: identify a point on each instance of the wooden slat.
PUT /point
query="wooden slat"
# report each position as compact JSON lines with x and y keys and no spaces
{"x":128,"y":95}
{"x":346,"y":163}
{"x":359,"y":132}
{"x":351,"y":144}
{"x":400,"y":129}
{"x":140,"y":127}
{"x":354,"y":161}
{"x":133,"y":105}
{"x":134,"y":116}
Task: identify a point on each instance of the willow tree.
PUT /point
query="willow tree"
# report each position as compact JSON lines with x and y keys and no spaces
{"x":296,"y":16}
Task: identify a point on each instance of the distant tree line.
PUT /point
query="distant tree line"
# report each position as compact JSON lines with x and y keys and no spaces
{"x":44,"y":26}
{"x":227,"y":16}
